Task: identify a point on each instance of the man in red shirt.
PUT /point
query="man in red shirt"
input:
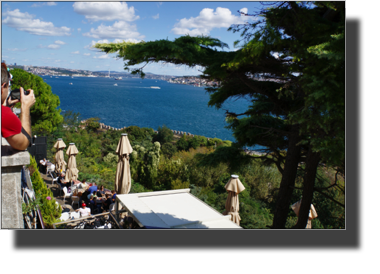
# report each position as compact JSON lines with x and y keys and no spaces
{"x":11,"y":125}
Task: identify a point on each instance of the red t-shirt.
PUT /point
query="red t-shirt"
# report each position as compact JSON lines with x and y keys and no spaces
{"x":10,"y":123}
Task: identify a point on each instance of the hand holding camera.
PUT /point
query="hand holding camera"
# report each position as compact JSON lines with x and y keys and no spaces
{"x":15,"y":94}
{"x":26,"y":97}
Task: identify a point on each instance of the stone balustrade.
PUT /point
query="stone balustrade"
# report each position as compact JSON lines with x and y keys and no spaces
{"x":12,"y":162}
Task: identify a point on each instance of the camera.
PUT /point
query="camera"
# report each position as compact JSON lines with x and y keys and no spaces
{"x":15,"y":94}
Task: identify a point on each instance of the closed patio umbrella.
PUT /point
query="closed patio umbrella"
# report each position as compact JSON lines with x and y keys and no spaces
{"x":60,"y":163}
{"x":72,"y":171}
{"x":233,"y":187}
{"x":312,"y":213}
{"x":123,"y":171}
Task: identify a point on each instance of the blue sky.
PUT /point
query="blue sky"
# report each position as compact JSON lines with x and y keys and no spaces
{"x":61,"y":33}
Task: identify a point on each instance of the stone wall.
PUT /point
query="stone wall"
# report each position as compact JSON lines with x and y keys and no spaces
{"x":11,"y":165}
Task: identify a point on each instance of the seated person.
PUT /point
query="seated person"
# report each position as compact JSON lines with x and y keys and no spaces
{"x":100,"y":192}
{"x":90,"y":196}
{"x":91,"y":203}
{"x":48,"y":166}
{"x":43,"y":162}
{"x":107,"y":202}
{"x":84,"y":197}
{"x":107,"y":191}
{"x":113,"y":195}
{"x":61,"y":181}
{"x":93,"y":188}
{"x":98,"y":205}
{"x":84,"y":211}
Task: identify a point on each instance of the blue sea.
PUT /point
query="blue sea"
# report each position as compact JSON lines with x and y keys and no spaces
{"x":134,"y":102}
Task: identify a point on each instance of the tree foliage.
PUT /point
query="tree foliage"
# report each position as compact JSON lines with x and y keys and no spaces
{"x":164,"y":135}
{"x":291,"y":66}
{"x":205,"y":170}
{"x":45,"y":114}
{"x":92,"y":123}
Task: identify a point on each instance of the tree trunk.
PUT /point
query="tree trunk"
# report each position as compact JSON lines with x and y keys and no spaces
{"x":312,"y":162}
{"x":288,"y":180}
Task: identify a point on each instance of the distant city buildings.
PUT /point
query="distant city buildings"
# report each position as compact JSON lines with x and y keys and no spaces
{"x":195,"y":81}
{"x":56,"y":71}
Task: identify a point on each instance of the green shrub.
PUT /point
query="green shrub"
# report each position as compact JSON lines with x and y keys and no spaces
{"x":49,"y":210}
{"x":178,"y":184}
{"x":164,"y":135}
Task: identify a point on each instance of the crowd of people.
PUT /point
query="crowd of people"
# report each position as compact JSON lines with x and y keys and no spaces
{"x":93,"y":200}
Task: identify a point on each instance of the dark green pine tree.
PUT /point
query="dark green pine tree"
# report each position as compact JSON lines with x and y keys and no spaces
{"x":291,"y":67}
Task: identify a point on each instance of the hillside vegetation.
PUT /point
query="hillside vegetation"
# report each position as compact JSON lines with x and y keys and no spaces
{"x":161,"y":162}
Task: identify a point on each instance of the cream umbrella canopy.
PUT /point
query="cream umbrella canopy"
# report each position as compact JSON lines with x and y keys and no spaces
{"x":72,"y":171}
{"x":123,"y":171}
{"x":233,"y":187}
{"x":60,"y":163}
{"x":312,"y":213}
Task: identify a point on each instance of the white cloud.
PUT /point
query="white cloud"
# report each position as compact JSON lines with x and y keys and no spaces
{"x":40,"y":4}
{"x":72,"y":62}
{"x":79,"y":29}
{"x":86,"y":54}
{"x":25,"y":22}
{"x":106,"y":11}
{"x":53,"y":46}
{"x":60,"y":42}
{"x":156,"y":16}
{"x":105,"y":56}
{"x":206,"y":21}
{"x":75,"y":52}
{"x":16,"y":49}
{"x":244,"y":10}
{"x":119,"y":30}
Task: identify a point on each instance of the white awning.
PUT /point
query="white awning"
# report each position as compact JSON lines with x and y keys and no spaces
{"x":174,"y":209}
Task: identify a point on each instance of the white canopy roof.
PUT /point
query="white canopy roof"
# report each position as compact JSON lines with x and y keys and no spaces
{"x":173,"y":209}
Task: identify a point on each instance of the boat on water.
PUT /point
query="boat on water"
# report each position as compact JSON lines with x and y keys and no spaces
{"x":115,"y":84}
{"x":155,"y":87}
{"x":118,"y":78}
{"x":70,"y":83}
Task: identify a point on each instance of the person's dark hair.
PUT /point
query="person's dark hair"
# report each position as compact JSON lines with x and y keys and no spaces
{"x":4,"y":74}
